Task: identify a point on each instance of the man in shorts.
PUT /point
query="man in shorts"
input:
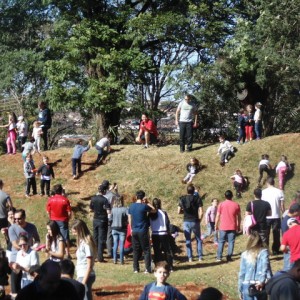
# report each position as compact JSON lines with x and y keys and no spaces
{"x":59,"y":210}
{"x":148,"y":132}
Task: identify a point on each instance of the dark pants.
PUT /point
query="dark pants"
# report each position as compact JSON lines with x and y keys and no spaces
{"x":241,"y":137}
{"x":45,"y":183}
{"x":109,"y":240}
{"x":76,"y":164}
{"x":21,"y":141}
{"x":100,"y":234}
{"x":101,"y":153}
{"x":15,"y":282}
{"x":162,"y":249}
{"x":275,"y":225}
{"x":140,"y":242}
{"x":262,"y":169}
{"x":186,"y":135}
{"x":30,"y":182}
{"x":45,"y":137}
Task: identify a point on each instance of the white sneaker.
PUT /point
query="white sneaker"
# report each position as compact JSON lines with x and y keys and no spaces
{"x":226,"y":161}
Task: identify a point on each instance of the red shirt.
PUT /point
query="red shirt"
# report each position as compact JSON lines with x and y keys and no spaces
{"x":228,"y":210}
{"x":58,"y":207}
{"x":150,"y":126}
{"x":291,"y":238}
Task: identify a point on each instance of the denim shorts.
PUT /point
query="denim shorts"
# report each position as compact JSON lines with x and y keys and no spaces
{"x":64,"y":229}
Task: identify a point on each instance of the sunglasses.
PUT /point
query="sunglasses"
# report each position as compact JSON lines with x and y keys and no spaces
{"x":23,"y":245}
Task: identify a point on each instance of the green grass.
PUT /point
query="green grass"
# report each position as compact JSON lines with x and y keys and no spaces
{"x":158,"y":171}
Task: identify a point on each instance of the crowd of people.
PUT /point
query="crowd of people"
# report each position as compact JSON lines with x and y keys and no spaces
{"x":123,"y":230}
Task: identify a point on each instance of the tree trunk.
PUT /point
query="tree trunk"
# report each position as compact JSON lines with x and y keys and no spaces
{"x":107,"y":123}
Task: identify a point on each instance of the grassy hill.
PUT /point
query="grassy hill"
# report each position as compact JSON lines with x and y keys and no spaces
{"x":158,"y":171}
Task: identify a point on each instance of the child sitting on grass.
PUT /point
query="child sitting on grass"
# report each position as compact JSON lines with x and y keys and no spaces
{"x":193,"y":167}
{"x":161,"y":289}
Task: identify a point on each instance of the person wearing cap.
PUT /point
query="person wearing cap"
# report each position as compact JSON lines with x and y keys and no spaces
{"x":110,"y":195}
{"x":22,"y":130}
{"x":293,"y":212}
{"x":291,"y":240}
{"x":100,"y":207}
{"x":258,"y":120}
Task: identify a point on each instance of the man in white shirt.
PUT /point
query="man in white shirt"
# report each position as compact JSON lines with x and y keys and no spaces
{"x":276,"y":199}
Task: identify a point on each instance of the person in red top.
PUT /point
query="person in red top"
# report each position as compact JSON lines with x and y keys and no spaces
{"x":228,"y":222}
{"x":147,"y":132}
{"x":59,"y":210}
{"x":291,"y":240}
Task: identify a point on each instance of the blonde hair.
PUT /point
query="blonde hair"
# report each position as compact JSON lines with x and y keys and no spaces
{"x":119,"y":202}
{"x":83,"y":234}
{"x":254,"y":246}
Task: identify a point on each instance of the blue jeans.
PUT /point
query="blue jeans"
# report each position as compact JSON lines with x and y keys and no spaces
{"x":223,"y":236}
{"x":88,"y":286}
{"x":258,"y":129}
{"x":241,"y":137}
{"x":188,"y":228}
{"x":211,"y":230}
{"x":119,"y":239}
{"x":76,"y":164}
{"x":287,"y":265}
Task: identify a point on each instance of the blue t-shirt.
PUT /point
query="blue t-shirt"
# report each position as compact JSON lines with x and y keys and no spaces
{"x":138,"y":212}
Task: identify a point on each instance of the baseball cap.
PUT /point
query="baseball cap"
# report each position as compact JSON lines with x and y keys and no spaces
{"x":105,"y":183}
{"x":291,"y":221}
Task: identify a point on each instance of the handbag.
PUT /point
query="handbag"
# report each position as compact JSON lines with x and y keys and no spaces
{"x":252,"y":290}
{"x":249,"y":221}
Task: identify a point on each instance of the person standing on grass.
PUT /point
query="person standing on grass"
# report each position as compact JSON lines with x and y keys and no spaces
{"x":276,"y":199}
{"x":210,"y":221}
{"x":45,"y":119}
{"x":261,"y":210}
{"x":241,"y":126}
{"x":147,"y":132}
{"x":138,"y":220}
{"x":5,"y":205}
{"x":46,"y":171}
{"x":59,"y":210}
{"x":228,"y":222}
{"x":11,"y":133}
{"x":258,"y":120}
{"x":76,"y":157}
{"x":29,"y":172}
{"x":102,"y":213}
{"x":22,"y":129}
{"x":185,"y":114}
{"x":85,"y":254}
{"x":20,"y":228}
{"x":190,"y":206}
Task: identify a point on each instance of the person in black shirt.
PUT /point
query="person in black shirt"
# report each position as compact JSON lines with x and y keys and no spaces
{"x":46,"y":120}
{"x":191,"y":207}
{"x":101,"y":208}
{"x":261,"y":209}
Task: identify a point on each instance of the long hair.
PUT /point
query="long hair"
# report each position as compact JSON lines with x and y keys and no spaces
{"x":55,"y":232}
{"x":254,"y":246}
{"x":119,"y":201}
{"x":83,"y":234}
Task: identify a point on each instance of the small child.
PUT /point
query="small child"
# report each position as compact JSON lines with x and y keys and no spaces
{"x":77,"y":154}
{"x":4,"y":271}
{"x":161,"y":289}
{"x":22,"y":129}
{"x":249,"y":123}
{"x":241,"y":126}
{"x":239,"y":182}
{"x":193,"y":167}
{"x":210,"y":220}
{"x":282,"y":168}
{"x":27,"y":148}
{"x":264,"y":166}
{"x":37,"y":133}
{"x":46,"y":172}
{"x":29,"y":172}
{"x":258,"y":120}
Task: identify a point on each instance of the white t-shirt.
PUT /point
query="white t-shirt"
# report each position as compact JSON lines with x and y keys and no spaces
{"x":264,"y":162}
{"x":238,"y":178}
{"x":274,"y":196}
{"x":83,"y":252}
{"x":104,"y":142}
{"x":22,"y":129}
